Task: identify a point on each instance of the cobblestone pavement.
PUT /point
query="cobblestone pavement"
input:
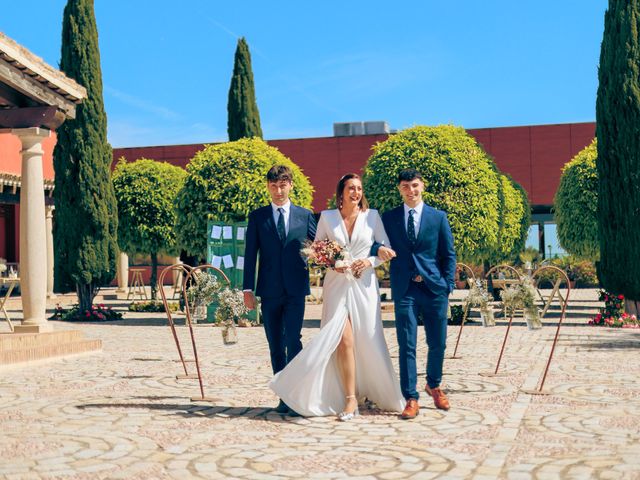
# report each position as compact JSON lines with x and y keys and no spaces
{"x":123,"y":414}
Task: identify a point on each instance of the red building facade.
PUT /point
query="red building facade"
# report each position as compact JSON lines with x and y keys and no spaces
{"x":532,"y":155}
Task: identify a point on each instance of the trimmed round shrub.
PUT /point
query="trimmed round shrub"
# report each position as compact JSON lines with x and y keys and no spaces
{"x":460,"y":178}
{"x":145,"y":192}
{"x":576,"y":203}
{"x":227,"y":181}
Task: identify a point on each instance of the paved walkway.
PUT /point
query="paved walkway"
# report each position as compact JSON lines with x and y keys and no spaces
{"x":123,"y":414}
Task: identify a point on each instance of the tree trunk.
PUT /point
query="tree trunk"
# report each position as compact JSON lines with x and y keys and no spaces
{"x":154,"y":275}
{"x":86,"y":293}
{"x":631,"y":306}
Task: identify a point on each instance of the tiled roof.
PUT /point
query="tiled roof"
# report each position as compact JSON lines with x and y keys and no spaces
{"x":12,"y":182}
{"x":39,"y":70}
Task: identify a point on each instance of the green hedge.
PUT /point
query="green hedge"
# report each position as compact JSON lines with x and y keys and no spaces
{"x":227,"y":181}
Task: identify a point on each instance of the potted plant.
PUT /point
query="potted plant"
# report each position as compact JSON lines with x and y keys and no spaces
{"x":461,"y":278}
{"x":569,"y":264}
{"x":203,"y":290}
{"x":382,"y":272}
{"x":457,"y":315}
{"x":529,"y":258}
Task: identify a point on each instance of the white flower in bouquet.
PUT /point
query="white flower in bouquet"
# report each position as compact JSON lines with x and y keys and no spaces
{"x":478,"y":296}
{"x":230,"y":309}
{"x":203,"y":289}
{"x":231,"y":306}
{"x":522,"y":295}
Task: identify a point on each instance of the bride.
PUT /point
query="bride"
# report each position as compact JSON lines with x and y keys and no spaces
{"x":348,"y":359}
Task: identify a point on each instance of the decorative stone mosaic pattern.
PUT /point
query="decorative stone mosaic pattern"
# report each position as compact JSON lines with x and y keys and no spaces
{"x":122,"y":414}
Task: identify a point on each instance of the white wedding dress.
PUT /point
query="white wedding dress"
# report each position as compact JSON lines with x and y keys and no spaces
{"x":310,"y":384}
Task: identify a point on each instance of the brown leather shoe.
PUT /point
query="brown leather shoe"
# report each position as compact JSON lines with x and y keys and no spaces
{"x":411,"y":410}
{"x":440,"y":400}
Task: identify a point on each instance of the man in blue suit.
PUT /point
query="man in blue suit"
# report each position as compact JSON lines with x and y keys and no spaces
{"x":422,"y":277}
{"x":276,"y":233}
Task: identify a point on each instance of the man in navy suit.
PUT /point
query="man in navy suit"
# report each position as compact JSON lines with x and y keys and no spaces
{"x":422,"y":277}
{"x":276,"y":233}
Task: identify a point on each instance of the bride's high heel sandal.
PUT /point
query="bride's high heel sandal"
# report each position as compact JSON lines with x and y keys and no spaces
{"x":346,"y":416}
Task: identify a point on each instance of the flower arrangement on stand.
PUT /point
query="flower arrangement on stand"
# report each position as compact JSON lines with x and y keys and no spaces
{"x":3,"y":265}
{"x":479,"y":297}
{"x":202,"y":292}
{"x":231,"y":309}
{"x":523,"y":296}
{"x":613,"y":314}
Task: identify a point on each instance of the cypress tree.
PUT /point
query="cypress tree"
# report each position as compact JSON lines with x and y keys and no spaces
{"x":85,"y":229}
{"x":618,"y":162}
{"x":244,"y":118}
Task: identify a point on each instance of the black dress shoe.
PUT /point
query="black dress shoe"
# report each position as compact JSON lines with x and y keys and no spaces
{"x":282,"y":408}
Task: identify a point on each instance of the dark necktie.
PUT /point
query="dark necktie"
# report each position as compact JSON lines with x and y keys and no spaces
{"x":281,"y":231}
{"x":411,"y":228}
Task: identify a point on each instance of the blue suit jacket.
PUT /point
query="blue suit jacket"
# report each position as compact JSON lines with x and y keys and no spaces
{"x":433,"y":255}
{"x":282,"y":270}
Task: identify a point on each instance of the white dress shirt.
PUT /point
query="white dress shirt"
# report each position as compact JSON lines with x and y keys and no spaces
{"x":416,"y":216}
{"x":286,"y":213}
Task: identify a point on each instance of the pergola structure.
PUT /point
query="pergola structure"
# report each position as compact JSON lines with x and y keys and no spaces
{"x":35,"y":99}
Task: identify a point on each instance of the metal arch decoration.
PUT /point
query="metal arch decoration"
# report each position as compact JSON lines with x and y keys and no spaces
{"x":183,"y":270}
{"x":465,"y":312}
{"x":186,"y":281}
{"x":559,"y":271}
{"x":506,"y":333}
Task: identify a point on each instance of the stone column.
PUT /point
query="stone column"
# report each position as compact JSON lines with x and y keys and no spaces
{"x":49,"y":229}
{"x":33,"y":233}
{"x":177,"y":275}
{"x":122,"y":272}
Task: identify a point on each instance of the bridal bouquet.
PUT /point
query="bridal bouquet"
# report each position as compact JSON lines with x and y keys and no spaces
{"x":327,"y":254}
{"x":323,"y":253}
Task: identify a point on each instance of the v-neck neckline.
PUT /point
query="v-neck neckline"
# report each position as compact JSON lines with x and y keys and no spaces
{"x":344,"y":225}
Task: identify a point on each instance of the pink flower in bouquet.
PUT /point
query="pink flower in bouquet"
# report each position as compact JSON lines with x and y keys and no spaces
{"x":323,"y":253}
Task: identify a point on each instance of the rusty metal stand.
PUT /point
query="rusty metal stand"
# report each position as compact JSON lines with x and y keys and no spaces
{"x":190,"y":276}
{"x":539,"y":390}
{"x":464,"y":318}
{"x":504,"y":343}
{"x":172,"y":327}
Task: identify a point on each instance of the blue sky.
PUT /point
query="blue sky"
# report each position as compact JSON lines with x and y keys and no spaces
{"x":167,"y":65}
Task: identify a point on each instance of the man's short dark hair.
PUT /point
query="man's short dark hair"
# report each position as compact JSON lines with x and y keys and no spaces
{"x":409,"y":174}
{"x":278,"y":173}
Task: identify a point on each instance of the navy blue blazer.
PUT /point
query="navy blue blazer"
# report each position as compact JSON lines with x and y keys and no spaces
{"x":281,"y":269}
{"x":433,"y":256}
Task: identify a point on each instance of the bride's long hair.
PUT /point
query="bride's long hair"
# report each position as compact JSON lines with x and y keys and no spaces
{"x":363,"y":204}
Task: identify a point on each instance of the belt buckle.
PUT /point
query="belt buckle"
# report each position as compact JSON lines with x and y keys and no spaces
{"x":417,"y":278}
